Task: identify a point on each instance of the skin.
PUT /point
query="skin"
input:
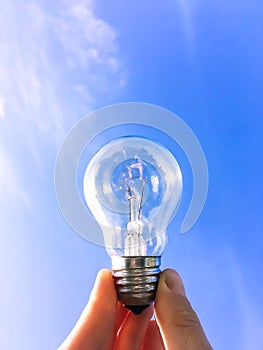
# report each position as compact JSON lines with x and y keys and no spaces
{"x":106,"y":325}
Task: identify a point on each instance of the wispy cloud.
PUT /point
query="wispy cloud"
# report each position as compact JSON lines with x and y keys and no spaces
{"x":11,"y":189}
{"x":251,"y":317}
{"x":186,"y":8}
{"x":2,"y":107}
{"x":56,"y":64}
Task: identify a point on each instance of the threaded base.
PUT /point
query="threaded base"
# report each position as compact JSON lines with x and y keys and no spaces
{"x":136,"y":279}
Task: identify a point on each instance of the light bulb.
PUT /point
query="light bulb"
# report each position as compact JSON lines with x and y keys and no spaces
{"x":133,"y":186}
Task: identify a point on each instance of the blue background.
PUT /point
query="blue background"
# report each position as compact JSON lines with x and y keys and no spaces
{"x":59,"y":61}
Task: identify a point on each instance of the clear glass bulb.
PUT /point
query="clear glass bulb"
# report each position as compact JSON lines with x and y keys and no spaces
{"x":133,"y":186}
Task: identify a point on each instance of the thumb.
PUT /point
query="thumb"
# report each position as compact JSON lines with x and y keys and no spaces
{"x":178,"y":323}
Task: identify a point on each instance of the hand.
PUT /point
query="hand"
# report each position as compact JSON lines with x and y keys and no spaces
{"x":106,"y":325}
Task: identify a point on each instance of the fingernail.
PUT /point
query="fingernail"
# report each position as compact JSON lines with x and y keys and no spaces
{"x":173,"y":282}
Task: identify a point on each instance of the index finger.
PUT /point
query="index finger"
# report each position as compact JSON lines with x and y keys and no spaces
{"x":96,"y":327}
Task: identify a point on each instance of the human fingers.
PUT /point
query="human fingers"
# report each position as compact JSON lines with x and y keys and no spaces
{"x":95,"y":328}
{"x":153,"y":339}
{"x":131,"y":334}
{"x":178,"y":323}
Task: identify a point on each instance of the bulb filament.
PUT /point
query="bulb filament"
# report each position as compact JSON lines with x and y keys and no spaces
{"x":135,"y":245}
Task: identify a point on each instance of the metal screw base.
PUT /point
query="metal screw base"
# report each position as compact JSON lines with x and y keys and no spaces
{"x":136,"y":280}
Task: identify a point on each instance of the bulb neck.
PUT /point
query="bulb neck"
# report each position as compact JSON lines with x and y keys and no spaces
{"x":136,"y":279}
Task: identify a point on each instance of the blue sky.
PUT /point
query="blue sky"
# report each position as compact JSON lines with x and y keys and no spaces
{"x":58,"y":62}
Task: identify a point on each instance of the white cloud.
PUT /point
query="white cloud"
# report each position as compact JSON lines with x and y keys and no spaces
{"x":186,"y":8}
{"x":48,"y":56}
{"x":89,"y":45}
{"x":11,"y":190}
{"x":251,"y":317}
{"x":56,"y":64}
{"x":2,"y":107}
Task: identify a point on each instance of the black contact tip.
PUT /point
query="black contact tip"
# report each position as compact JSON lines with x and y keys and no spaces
{"x":136,"y":309}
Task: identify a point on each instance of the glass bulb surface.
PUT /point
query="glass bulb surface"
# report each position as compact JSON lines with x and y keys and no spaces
{"x":133,"y":186}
